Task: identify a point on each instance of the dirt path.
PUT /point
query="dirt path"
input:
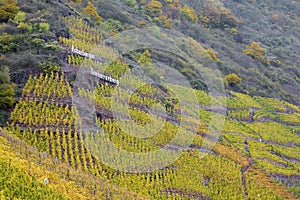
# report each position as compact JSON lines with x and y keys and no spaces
{"x":245,"y":169}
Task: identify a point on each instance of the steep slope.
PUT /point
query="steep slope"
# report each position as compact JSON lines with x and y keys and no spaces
{"x":257,"y":155}
{"x":30,"y":174}
{"x":249,"y":150}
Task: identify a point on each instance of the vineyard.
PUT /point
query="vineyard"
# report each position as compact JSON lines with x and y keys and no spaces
{"x":53,"y":148}
{"x":46,"y":120}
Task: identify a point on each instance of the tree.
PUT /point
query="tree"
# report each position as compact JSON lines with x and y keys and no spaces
{"x":7,"y":92}
{"x":8,"y":10}
{"x":255,"y":51}
{"x":91,"y":10}
{"x":233,"y":79}
{"x":154,"y":7}
{"x":189,"y":13}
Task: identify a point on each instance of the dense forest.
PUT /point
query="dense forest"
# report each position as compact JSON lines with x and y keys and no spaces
{"x":149,"y":99}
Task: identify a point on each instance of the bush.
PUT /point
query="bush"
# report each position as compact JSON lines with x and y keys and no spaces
{"x":164,"y":21}
{"x":25,"y":26}
{"x":212,"y":54}
{"x":218,"y":16}
{"x":154,"y":7}
{"x":20,"y":17}
{"x":189,"y":13}
{"x":91,"y":10}
{"x":44,"y":27}
{"x":8,"y":10}
{"x":233,"y":79}
{"x":112,"y":26}
{"x":6,"y":43}
{"x":255,"y":51}
{"x":7,"y":92}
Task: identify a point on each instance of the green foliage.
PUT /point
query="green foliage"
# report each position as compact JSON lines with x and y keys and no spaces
{"x":6,"y":42}
{"x":219,"y":175}
{"x":117,"y":69}
{"x":212,"y":54}
{"x":25,"y":26}
{"x":146,"y":63}
{"x":145,"y":58}
{"x":233,"y":79}
{"x":16,"y":184}
{"x":44,"y":27}
{"x":48,"y":67}
{"x":221,"y":172}
{"x":255,"y":51}
{"x":46,"y":86}
{"x":87,"y":37}
{"x":154,"y":7}
{"x":8,"y":9}
{"x":189,"y":13}
{"x":112,"y":26}
{"x":7,"y":92}
{"x":130,"y":2}
{"x":214,"y":13}
{"x":20,"y":17}
{"x":272,"y":131}
{"x":164,"y":21}
{"x":7,"y":95}
{"x":4,"y":75}
{"x":247,"y":100}
{"x":259,"y":187}
{"x":91,"y":10}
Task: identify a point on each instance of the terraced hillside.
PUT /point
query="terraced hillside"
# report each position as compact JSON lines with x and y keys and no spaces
{"x":66,"y":134}
{"x":257,"y":155}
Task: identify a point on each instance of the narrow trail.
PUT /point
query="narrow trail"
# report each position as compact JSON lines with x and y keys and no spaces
{"x":246,"y":168}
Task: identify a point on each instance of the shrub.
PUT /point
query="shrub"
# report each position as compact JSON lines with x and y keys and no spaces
{"x":145,"y":58}
{"x":6,"y":42}
{"x":8,"y":9}
{"x":7,"y":92}
{"x":25,"y":26}
{"x":233,"y":79}
{"x":91,"y":10}
{"x":142,"y":23}
{"x":164,"y":21}
{"x":255,"y":51}
{"x":212,"y":54}
{"x":112,"y":26}
{"x":44,"y":27}
{"x":20,"y":17}
{"x":189,"y":13}
{"x":218,"y":16}
{"x":174,"y":4}
{"x":154,"y":7}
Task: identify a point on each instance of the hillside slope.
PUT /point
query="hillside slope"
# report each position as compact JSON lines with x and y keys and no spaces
{"x":48,"y":134}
